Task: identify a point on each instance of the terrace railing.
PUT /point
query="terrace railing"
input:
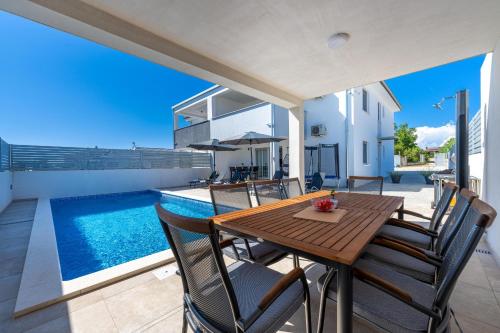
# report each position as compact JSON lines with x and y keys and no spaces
{"x":192,"y":134}
{"x":4,"y":155}
{"x":44,"y":158}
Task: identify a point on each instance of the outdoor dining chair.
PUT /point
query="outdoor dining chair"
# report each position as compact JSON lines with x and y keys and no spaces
{"x":395,"y":302}
{"x":231,"y":197}
{"x":242,"y":297}
{"x":414,"y":233}
{"x":291,"y":187}
{"x":363,"y":184}
{"x":267,"y":191}
{"x":416,"y":262}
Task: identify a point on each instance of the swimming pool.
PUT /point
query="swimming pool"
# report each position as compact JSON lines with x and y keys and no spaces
{"x":102,"y":231}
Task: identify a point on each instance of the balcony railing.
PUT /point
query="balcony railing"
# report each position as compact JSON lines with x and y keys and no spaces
{"x":192,"y":134}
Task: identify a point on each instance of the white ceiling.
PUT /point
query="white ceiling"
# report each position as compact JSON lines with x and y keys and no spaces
{"x":284,"y":43}
{"x":280,"y":46}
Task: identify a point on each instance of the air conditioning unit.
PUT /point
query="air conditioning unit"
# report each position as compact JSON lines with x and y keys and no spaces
{"x":318,"y":130}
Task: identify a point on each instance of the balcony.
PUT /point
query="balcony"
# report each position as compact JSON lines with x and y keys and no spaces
{"x":191,"y":134}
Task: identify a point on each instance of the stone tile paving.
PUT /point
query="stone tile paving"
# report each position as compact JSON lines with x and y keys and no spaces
{"x":146,"y":304}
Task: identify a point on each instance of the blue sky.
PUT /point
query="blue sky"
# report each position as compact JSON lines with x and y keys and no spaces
{"x":58,"y":89}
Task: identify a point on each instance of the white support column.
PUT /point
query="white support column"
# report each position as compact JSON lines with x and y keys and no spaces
{"x":491,"y":181}
{"x":296,"y":143}
{"x":176,"y":120}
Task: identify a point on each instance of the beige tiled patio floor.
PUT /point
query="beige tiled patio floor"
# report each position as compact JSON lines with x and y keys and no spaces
{"x":146,"y":304}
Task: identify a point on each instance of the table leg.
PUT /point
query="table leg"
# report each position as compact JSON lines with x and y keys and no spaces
{"x":344,"y":299}
{"x":322,"y":301}
{"x":400,"y":212}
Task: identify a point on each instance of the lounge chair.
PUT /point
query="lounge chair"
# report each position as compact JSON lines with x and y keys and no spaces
{"x":204,"y":181}
{"x":419,"y":263}
{"x":278,"y":174}
{"x":394,"y":302}
{"x":316,"y":183}
{"x":414,"y":233}
{"x":242,"y":297}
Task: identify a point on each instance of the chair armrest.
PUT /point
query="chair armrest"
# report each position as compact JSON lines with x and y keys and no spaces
{"x":392,"y":290}
{"x":411,"y":226}
{"x":395,"y":240}
{"x":273,"y":293}
{"x":283,"y":283}
{"x":227,"y":242}
{"x":384,"y":285}
{"x":410,"y":251}
{"x":410,"y":212}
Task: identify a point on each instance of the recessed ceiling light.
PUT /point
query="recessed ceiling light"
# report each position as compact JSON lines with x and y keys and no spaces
{"x":337,"y":40}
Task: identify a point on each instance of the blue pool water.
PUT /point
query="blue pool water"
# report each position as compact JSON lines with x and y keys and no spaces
{"x":98,"y":232}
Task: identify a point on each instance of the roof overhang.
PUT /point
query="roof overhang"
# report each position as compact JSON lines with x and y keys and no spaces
{"x":277,"y":51}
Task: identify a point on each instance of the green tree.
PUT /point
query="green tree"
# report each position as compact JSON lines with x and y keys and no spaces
{"x":406,"y":142}
{"x":446,"y":147}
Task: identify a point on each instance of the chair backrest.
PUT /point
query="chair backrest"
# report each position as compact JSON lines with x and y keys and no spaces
{"x":454,"y":220}
{"x":221,"y":176}
{"x":267,"y":191}
{"x":317,"y":181}
{"x":479,"y":217}
{"x":230,"y":197}
{"x":278,"y":174}
{"x":213,"y":175}
{"x":235,"y":175}
{"x":442,"y":205}
{"x":291,"y":187}
{"x":364,"y":184}
{"x":208,"y":292}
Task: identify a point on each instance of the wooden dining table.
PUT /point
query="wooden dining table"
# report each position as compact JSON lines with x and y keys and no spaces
{"x":336,"y":245}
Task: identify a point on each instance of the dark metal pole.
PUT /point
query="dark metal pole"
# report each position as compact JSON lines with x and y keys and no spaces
{"x":214,"y":161}
{"x":344,"y":299}
{"x":462,"y":140}
{"x":251,"y":155}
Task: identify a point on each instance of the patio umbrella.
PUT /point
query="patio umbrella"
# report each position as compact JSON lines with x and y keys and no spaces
{"x":212,"y":145}
{"x":252,"y":138}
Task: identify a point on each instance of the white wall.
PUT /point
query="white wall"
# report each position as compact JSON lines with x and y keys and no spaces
{"x":491,"y":181}
{"x":55,"y":184}
{"x":5,"y":191}
{"x":257,"y":119}
{"x":365,"y":128}
{"x":327,"y":111}
{"x":476,"y":165}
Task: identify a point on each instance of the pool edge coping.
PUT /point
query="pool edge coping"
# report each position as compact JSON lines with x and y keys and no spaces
{"x":41,"y":287}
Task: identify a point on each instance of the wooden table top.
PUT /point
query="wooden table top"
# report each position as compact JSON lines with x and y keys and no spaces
{"x":341,"y":242}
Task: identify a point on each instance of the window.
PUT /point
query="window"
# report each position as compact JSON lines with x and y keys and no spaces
{"x":365,"y":100}
{"x":365,"y":152}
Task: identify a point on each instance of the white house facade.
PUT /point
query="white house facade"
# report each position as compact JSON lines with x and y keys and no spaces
{"x":346,"y":133}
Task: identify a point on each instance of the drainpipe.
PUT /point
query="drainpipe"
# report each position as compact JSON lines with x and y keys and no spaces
{"x":272,"y":156}
{"x":347,"y":117}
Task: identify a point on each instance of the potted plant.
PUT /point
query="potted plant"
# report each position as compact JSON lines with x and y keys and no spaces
{"x":427,"y":176}
{"x":396,"y":177}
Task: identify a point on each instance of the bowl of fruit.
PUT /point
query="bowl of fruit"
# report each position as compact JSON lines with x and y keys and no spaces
{"x":323,"y":205}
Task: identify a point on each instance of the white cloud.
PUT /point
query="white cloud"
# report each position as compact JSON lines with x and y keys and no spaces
{"x":434,"y":136}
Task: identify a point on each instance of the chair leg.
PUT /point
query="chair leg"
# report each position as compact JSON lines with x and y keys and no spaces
{"x":296,"y":261}
{"x":307,"y":304}
{"x":184,"y":321}
{"x":324,"y":294}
